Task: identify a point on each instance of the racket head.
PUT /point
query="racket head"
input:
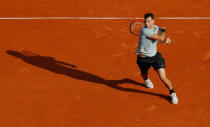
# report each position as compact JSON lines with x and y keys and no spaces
{"x":136,"y":26}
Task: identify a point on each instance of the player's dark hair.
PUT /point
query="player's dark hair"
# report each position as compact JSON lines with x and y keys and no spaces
{"x":147,"y":15}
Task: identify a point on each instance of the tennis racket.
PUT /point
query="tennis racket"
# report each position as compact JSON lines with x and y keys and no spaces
{"x":135,"y":27}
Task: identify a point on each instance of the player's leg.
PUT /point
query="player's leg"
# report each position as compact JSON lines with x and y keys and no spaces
{"x":162,"y":74}
{"x":144,"y":67}
{"x":159,"y":66}
{"x":167,"y":82}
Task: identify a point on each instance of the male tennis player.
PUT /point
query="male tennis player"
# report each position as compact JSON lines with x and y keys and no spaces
{"x":148,"y":56}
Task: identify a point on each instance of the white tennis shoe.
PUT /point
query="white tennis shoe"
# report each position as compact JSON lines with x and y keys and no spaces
{"x":174,"y":99}
{"x":149,"y":84}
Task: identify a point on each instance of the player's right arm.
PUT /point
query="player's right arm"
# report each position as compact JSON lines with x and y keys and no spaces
{"x":161,"y":37}
{"x":157,"y":37}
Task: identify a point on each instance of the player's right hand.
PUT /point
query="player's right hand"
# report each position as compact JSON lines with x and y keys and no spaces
{"x":168,"y":40}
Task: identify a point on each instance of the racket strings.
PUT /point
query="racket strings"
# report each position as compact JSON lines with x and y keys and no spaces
{"x":136,"y":26}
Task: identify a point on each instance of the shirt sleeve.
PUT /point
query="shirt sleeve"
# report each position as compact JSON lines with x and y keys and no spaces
{"x":147,"y":32}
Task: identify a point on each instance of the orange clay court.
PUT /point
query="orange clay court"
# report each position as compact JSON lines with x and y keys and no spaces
{"x":83,"y":73}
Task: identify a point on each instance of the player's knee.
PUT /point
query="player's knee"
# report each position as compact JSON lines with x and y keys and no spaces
{"x":163,"y":78}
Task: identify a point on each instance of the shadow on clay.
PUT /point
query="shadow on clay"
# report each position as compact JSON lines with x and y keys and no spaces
{"x":70,"y":70}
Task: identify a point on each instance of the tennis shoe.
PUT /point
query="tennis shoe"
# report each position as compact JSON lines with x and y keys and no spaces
{"x":174,"y":99}
{"x":149,"y":84}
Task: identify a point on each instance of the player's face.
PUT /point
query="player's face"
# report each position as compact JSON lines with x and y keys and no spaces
{"x":149,"y":22}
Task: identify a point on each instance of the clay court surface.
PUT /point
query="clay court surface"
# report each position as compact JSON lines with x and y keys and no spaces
{"x":83,"y":73}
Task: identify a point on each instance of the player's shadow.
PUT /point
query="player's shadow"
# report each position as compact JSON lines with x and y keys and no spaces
{"x":70,"y":70}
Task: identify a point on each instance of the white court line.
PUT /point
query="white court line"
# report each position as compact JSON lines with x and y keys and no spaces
{"x":104,"y":18}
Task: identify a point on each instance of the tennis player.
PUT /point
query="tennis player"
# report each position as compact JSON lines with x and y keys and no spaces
{"x":148,"y":56}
